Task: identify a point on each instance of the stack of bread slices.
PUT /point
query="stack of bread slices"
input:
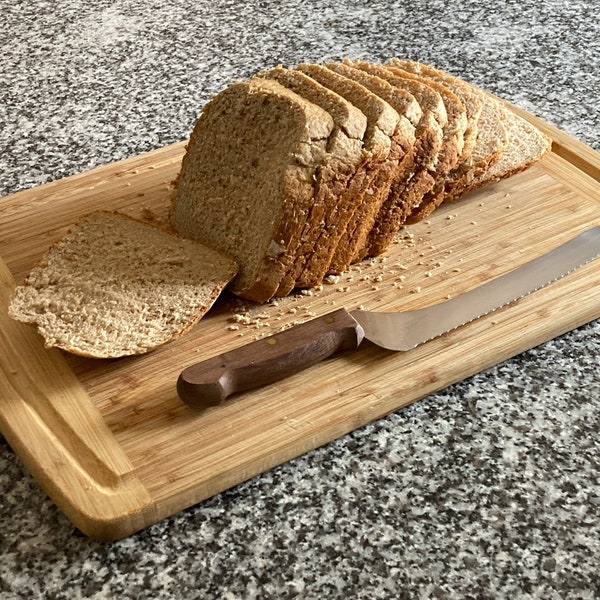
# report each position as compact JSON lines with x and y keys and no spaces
{"x":298,"y":173}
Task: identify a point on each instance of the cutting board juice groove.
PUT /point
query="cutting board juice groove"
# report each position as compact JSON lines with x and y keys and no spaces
{"x":115,"y":448}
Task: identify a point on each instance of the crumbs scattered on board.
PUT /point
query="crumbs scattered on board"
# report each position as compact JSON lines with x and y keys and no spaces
{"x":420,"y":258}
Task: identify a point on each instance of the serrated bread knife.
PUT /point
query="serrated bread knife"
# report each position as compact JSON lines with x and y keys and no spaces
{"x":275,"y":357}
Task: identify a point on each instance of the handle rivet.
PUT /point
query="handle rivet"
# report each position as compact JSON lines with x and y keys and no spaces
{"x":329,"y":320}
{"x":271,"y":341}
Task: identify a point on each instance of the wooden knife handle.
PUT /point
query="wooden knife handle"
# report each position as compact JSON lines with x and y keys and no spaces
{"x":269,"y":359}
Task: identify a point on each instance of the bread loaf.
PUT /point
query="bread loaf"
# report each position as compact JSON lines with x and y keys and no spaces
{"x":114,"y":287}
{"x":301,"y":172}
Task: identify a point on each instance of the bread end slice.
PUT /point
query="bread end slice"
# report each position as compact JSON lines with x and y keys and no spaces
{"x":114,"y":286}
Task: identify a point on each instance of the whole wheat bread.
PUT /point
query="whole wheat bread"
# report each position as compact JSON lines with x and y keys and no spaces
{"x":115,"y":287}
{"x":267,"y":178}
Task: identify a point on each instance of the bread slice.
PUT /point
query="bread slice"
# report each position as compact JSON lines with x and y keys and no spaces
{"x":526,"y":146}
{"x":340,"y":180}
{"x":247,"y":180}
{"x":115,"y":287}
{"x":384,"y":125}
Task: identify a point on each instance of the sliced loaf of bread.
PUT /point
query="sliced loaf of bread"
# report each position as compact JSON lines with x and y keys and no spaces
{"x":248,"y":179}
{"x":115,"y":287}
{"x":299,"y":173}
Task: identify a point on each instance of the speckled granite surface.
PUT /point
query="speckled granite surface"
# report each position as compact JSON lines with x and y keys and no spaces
{"x":487,"y":489}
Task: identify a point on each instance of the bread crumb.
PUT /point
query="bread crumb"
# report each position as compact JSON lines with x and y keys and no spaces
{"x":149,"y":214}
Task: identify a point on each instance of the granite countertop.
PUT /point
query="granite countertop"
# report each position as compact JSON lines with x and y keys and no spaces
{"x":486,"y":489}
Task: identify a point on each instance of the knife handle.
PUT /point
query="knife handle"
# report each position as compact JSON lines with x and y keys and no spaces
{"x":269,"y":359}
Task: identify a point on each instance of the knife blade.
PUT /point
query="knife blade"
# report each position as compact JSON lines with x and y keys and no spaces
{"x":272,"y":358}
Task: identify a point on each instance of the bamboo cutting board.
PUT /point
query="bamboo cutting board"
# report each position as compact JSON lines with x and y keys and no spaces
{"x":115,"y":448}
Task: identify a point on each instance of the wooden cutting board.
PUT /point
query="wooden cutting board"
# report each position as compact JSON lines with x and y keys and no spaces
{"x":115,"y":448}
